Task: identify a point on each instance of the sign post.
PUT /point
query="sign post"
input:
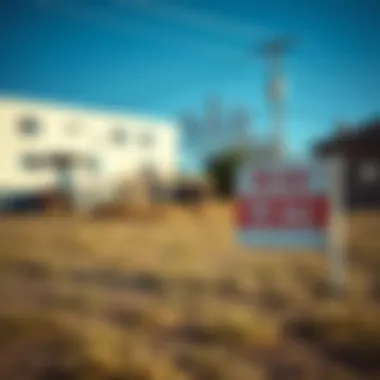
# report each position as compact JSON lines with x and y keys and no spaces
{"x":337,"y":223}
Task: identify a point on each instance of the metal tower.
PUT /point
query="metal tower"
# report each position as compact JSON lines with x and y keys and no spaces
{"x":274,"y":51}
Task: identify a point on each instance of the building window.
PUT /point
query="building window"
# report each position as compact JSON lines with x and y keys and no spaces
{"x":119,"y":136}
{"x":147,"y":139}
{"x":29,"y":125}
{"x":93,"y":164}
{"x":73,"y":128}
{"x":32,"y":162}
{"x":369,"y":172}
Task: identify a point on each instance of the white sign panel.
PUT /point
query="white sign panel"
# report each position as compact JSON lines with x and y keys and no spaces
{"x":283,"y":205}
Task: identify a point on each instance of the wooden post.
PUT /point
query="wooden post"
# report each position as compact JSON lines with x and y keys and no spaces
{"x":337,"y":254}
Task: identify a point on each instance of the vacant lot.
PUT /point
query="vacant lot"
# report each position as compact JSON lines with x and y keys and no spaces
{"x":177,"y":299}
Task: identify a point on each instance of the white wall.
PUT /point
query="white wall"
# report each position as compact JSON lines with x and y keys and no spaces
{"x":91,"y":134}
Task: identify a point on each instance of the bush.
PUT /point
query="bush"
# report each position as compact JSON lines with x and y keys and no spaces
{"x":40,"y":347}
{"x":222,"y":170}
{"x":216,"y":364}
{"x":34,"y":345}
{"x":348,"y":334}
{"x":231,"y":330}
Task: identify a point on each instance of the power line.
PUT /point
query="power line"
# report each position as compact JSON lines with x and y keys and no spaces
{"x":228,"y":59}
{"x":198,"y":19}
{"x":99,"y":17}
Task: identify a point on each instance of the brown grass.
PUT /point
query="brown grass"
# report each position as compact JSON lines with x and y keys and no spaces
{"x":114,"y":299}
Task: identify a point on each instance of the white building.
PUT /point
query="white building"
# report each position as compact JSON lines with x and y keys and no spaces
{"x":117,"y":147}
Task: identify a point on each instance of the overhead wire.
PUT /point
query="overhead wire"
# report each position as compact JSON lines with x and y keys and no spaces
{"x":197,"y":19}
{"x":227,"y":56}
{"x":230,"y":62}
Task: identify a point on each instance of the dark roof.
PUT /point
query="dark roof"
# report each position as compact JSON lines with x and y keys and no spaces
{"x":362,"y":140}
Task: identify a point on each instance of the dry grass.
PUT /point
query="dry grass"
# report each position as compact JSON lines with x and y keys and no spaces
{"x":112,"y":299}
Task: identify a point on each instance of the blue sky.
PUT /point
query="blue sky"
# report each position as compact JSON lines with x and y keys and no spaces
{"x":162,"y":57}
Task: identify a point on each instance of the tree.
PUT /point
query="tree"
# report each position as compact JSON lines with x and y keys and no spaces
{"x":222,"y":169}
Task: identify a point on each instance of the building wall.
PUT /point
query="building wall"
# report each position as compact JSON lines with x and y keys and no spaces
{"x":363,"y":183}
{"x":119,"y":144}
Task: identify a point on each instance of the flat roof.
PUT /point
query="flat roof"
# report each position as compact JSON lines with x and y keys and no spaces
{"x":361,"y":140}
{"x":82,"y":109}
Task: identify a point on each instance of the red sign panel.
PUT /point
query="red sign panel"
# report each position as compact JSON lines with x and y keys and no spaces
{"x":282,"y":212}
{"x":289,"y":198}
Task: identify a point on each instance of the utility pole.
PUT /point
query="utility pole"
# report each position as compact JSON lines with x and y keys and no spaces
{"x":274,"y":51}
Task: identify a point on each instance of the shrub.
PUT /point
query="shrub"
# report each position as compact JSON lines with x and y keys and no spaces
{"x":35,"y":344}
{"x":216,"y":364}
{"x":239,"y":329}
{"x":349,"y":334}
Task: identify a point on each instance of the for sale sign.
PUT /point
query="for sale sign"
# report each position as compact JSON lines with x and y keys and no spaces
{"x":283,"y":205}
